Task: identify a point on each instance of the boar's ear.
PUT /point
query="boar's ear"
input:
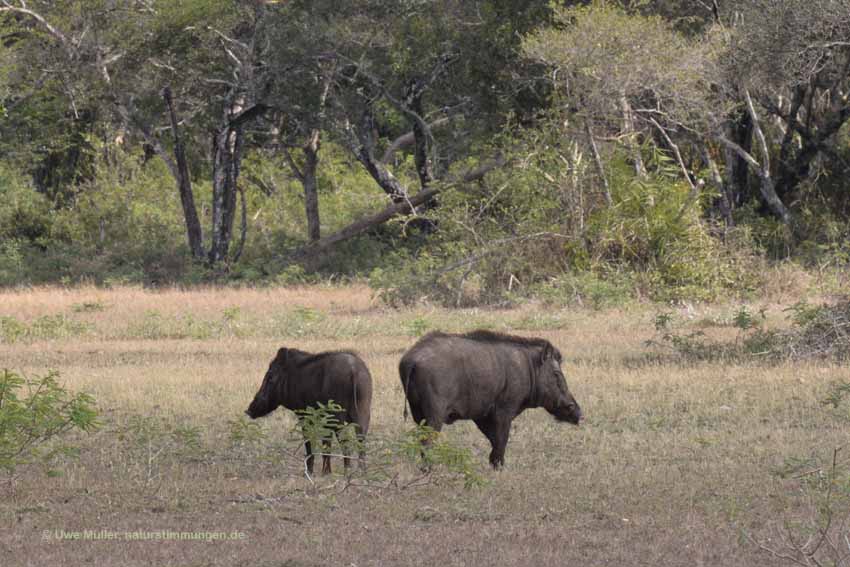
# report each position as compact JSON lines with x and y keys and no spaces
{"x":550,"y":353}
{"x":282,"y":355}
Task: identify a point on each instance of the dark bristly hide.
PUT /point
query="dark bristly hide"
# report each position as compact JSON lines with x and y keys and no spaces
{"x":487,"y":377}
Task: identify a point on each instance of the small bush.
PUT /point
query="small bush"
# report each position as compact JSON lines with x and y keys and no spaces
{"x":588,"y":289}
{"x":815,"y":332}
{"x":12,"y":263}
{"x":418,"y":326}
{"x":35,"y":414}
{"x":820,"y":331}
{"x":753,"y":341}
{"x":428,"y":449}
{"x":320,"y":425}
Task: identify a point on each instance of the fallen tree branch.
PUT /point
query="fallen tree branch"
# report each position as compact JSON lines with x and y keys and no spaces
{"x":401,"y":208}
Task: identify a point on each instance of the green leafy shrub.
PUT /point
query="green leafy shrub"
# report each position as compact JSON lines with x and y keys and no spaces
{"x":320,"y":425}
{"x":598,"y":289}
{"x":428,"y":449}
{"x":417,"y":326}
{"x":12,"y":263}
{"x":35,"y":414}
{"x":388,"y":457}
{"x":245,"y":432}
{"x":47,"y":327}
{"x":152,"y":445}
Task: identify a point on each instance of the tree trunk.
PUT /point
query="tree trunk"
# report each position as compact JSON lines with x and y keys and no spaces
{"x":813,"y":137}
{"x":631,"y":136}
{"x":424,"y":167}
{"x":739,"y":131}
{"x":194,"y":232}
{"x":723,"y":201}
{"x":227,"y":147}
{"x":365,"y":153}
{"x":768,"y":187}
{"x":309,"y":182}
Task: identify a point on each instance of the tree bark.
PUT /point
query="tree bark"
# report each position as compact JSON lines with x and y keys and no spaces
{"x":365,"y":153}
{"x":180,"y":170}
{"x":768,"y":188}
{"x":737,"y":180}
{"x":421,"y":157}
{"x":310,"y":184}
{"x":227,"y":148}
{"x":243,"y":236}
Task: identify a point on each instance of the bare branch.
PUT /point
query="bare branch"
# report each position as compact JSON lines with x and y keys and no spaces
{"x":597,"y":159}
{"x":676,"y":152}
{"x":407,"y":139}
{"x":6,"y":6}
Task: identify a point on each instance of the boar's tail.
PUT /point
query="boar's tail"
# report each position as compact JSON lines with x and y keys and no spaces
{"x":354,"y":393}
{"x":406,"y":380}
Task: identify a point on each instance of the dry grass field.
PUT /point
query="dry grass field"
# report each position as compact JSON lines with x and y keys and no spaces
{"x":676,"y":464}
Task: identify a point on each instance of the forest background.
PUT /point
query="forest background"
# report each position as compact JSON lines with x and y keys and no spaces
{"x":465,"y":152}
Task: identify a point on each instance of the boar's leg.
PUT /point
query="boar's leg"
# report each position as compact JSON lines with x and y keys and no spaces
{"x":326,"y":457}
{"x":345,"y":441}
{"x":308,"y":449}
{"x":496,"y":428}
{"x":346,"y":452}
{"x":361,"y":453}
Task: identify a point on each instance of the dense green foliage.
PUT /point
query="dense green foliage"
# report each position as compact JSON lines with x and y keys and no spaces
{"x":631,"y":149}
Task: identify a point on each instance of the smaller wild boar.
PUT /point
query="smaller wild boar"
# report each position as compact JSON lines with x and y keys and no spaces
{"x":297,"y":380}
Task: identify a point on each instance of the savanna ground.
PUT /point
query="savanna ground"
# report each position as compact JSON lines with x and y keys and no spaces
{"x":676,"y":464}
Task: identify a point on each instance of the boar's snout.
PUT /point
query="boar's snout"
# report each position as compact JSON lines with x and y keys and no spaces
{"x":255,"y":409}
{"x":569,"y":412}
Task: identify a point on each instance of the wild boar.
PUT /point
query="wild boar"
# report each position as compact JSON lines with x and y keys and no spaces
{"x":297,"y":380}
{"x":487,"y":377}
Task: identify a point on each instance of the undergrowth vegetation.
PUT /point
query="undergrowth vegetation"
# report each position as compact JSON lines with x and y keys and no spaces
{"x":539,"y":229}
{"x":813,"y":332}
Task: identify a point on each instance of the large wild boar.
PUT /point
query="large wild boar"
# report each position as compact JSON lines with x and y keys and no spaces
{"x":297,"y":380}
{"x":487,"y":377}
